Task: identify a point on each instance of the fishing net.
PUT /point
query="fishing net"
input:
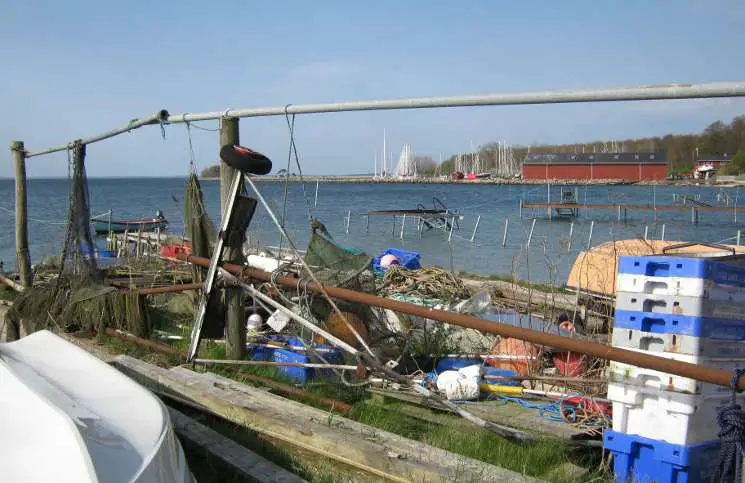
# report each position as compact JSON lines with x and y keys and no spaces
{"x":338,"y":266}
{"x":201,"y":231}
{"x":77,"y":299}
{"x":199,"y":227}
{"x":343,"y":267}
{"x":78,"y":244}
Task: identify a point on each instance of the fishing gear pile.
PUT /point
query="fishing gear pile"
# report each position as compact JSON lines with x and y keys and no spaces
{"x":77,"y":299}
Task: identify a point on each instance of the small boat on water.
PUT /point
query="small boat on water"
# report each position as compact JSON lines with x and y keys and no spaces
{"x":104,"y":225}
{"x":70,"y":417}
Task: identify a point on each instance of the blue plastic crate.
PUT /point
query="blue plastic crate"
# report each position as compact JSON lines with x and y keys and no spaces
{"x":715,"y":328}
{"x":410,"y":260}
{"x":641,"y":460}
{"x":663,"y":266}
{"x":455,"y":363}
{"x":495,"y":371}
{"x":299,"y":375}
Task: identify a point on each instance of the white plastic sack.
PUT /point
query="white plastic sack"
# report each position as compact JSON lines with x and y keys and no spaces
{"x":460,"y":385}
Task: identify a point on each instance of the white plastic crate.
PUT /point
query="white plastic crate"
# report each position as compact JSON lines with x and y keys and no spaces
{"x":679,"y":305}
{"x":637,"y":376}
{"x":667,"y":416}
{"x":677,"y":343}
{"x":679,"y":286}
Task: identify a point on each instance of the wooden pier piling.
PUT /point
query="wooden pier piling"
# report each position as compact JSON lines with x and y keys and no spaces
{"x":476,"y":227}
{"x":530,"y":235}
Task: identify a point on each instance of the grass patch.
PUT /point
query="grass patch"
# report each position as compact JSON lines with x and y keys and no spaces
{"x":535,"y":459}
{"x":7,"y":293}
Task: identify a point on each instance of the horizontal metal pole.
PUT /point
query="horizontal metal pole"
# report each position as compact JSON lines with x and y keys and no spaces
{"x":159,"y":117}
{"x":567,"y":344}
{"x":637,"y":93}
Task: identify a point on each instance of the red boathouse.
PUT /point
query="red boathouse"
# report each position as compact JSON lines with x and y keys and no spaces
{"x":596,"y":166}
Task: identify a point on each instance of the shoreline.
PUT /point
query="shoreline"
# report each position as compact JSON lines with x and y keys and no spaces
{"x":367,"y":179}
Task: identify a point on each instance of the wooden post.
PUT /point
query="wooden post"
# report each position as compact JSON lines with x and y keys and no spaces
{"x":589,"y":238}
{"x":646,"y":232}
{"x":530,"y":235}
{"x":23,"y":260}
{"x":571,"y":232}
{"x":235,"y":333}
{"x":473,"y":235}
{"x":138,"y":248}
{"x":662,"y":236}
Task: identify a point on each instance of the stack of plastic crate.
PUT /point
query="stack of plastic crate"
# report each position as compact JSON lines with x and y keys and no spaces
{"x":688,"y":309}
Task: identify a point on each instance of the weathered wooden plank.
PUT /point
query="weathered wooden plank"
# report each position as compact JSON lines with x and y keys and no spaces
{"x":384,"y":454}
{"x":249,"y":464}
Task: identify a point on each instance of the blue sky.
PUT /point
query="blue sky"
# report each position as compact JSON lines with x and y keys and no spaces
{"x":75,"y":68}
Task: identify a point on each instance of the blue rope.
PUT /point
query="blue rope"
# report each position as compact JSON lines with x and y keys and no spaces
{"x":731,"y":422}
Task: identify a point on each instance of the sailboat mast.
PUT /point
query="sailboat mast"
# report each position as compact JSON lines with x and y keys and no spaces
{"x":385,"y":165}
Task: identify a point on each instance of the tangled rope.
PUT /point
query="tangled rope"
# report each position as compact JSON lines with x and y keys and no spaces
{"x":426,"y":282}
{"x":731,"y":422}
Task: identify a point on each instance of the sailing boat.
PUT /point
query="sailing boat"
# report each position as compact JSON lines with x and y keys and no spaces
{"x":406,"y":167}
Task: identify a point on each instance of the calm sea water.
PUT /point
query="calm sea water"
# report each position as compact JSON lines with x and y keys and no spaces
{"x":548,"y":259}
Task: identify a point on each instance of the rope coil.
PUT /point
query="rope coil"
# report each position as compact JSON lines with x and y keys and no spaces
{"x":731,"y":422}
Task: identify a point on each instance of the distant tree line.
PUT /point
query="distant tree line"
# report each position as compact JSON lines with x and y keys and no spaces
{"x":211,"y":172}
{"x":681,"y":149}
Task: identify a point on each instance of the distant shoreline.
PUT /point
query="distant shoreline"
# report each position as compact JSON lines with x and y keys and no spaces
{"x":367,"y":179}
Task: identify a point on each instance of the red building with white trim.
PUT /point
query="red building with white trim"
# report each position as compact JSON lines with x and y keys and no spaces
{"x":596,"y":166}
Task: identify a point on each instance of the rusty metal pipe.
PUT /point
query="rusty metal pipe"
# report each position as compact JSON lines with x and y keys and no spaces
{"x":683,"y":369}
{"x":289,"y":390}
{"x":170,"y":289}
{"x":144,"y":342}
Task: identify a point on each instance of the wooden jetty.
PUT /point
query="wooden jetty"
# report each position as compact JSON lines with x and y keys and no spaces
{"x":623,"y":209}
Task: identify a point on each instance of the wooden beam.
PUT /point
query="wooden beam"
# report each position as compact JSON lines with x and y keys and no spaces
{"x":235,"y":332}
{"x":386,"y":455}
{"x":242,"y":460}
{"x":23,"y":258}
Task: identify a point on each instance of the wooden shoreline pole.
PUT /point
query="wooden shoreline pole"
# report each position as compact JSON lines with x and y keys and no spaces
{"x":23,"y":260}
{"x":22,"y":255}
{"x":235,"y":333}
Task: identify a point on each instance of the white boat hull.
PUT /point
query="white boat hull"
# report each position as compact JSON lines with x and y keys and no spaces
{"x":66,"y":416}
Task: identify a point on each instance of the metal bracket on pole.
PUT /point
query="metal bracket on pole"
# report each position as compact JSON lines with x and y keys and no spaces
{"x":209,"y":282}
